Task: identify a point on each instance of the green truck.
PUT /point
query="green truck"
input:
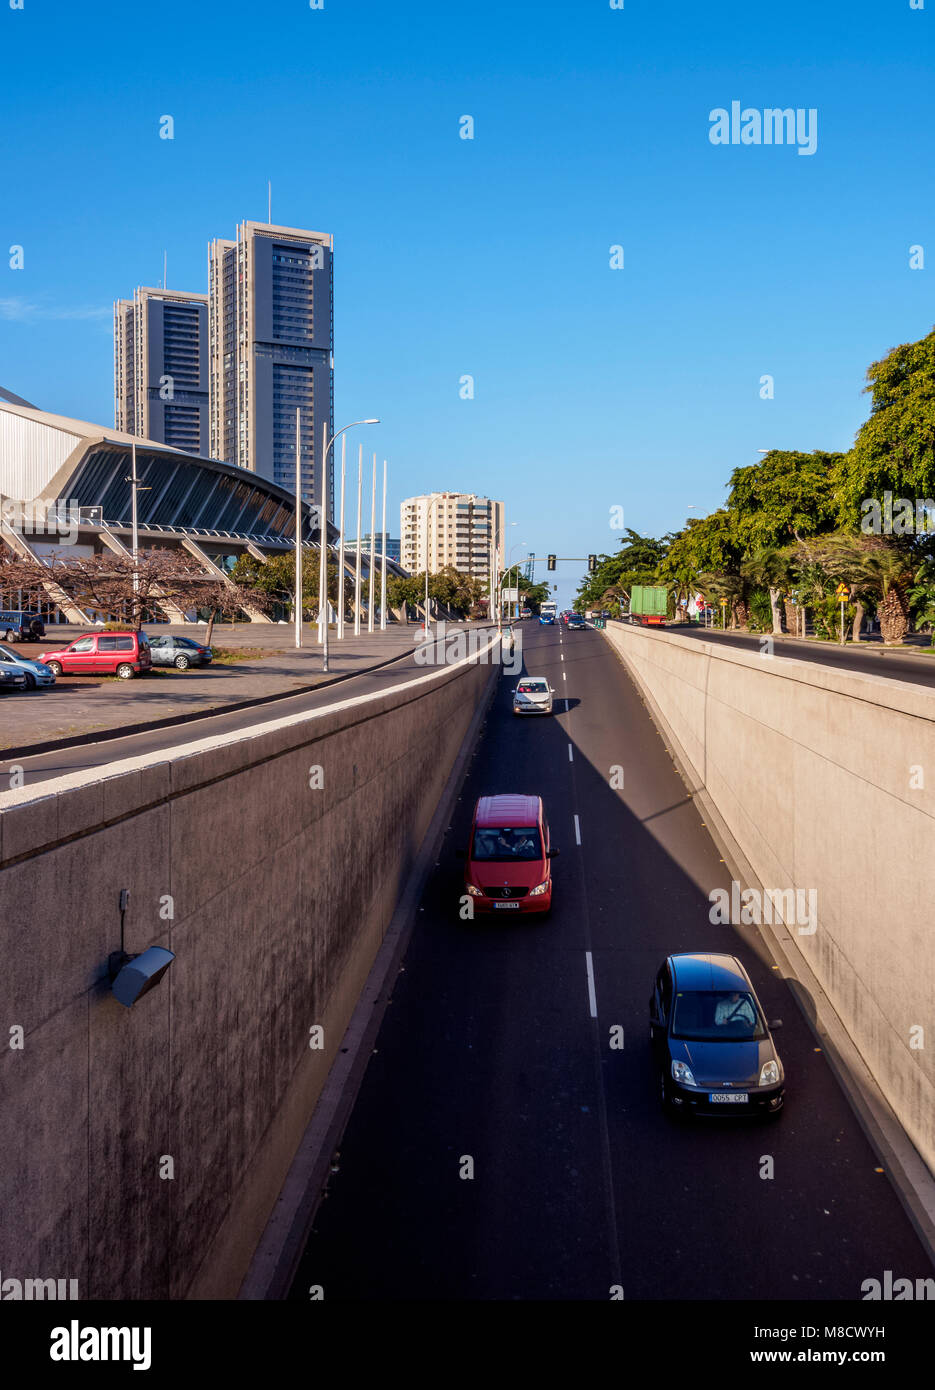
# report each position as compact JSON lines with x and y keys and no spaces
{"x":649,"y":604}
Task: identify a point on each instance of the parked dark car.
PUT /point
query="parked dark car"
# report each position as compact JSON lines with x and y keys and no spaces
{"x":11,"y":679}
{"x":16,"y":625}
{"x":180,"y":652}
{"x":712,"y":1047}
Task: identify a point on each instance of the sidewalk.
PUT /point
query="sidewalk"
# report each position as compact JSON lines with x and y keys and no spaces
{"x":871,"y":645}
{"x":82,"y":705}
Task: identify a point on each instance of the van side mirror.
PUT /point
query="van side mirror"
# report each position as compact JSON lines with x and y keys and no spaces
{"x":774,"y":1023}
{"x":552,"y":853}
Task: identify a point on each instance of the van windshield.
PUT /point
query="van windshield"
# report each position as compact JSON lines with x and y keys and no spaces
{"x":513,"y":842}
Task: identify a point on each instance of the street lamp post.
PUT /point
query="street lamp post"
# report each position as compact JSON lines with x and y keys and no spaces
{"x":428,"y":513}
{"x":135,"y":487}
{"x":360,"y":476}
{"x":383,"y":559}
{"x":323,"y":553}
{"x":373,"y":542}
{"x":341,"y":543}
{"x":500,"y":585}
{"x":297,"y":605}
{"x":322,"y":534}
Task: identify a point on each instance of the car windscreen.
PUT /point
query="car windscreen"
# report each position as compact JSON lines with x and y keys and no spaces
{"x":532,"y":688}
{"x":717,"y":1016}
{"x":515,"y":842}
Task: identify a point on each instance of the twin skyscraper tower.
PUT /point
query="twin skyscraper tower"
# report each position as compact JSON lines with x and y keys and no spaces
{"x":221,"y":374}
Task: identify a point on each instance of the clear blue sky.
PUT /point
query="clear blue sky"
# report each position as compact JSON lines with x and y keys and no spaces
{"x":490,"y":257}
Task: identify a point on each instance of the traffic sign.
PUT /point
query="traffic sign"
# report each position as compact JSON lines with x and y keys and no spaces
{"x":842,"y":592}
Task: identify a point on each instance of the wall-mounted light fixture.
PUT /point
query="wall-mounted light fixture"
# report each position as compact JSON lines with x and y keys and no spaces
{"x":132,"y":976}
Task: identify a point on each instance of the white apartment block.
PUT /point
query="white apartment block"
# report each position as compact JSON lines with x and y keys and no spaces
{"x":451,"y":528}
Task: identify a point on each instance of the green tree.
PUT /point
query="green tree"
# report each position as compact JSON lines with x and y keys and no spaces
{"x":708,"y":555}
{"x":787,"y":494}
{"x":895,"y":448}
{"x":636,"y":562}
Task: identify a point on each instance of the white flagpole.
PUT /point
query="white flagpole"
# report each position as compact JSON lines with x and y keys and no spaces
{"x":323,"y":540}
{"x":298,"y":527}
{"x":373,"y":542}
{"x":360,"y":474}
{"x":383,"y":564}
{"x":341,"y":546}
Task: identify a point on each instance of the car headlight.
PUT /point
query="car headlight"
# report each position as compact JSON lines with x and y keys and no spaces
{"x":769,"y":1074}
{"x":539,"y":889}
{"x":475,"y":892}
{"x":682,"y":1073}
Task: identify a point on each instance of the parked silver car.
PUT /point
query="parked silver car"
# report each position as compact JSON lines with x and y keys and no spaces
{"x":36,"y":672}
{"x":11,"y":680}
{"x":180,"y":652}
{"x":533,"y":695}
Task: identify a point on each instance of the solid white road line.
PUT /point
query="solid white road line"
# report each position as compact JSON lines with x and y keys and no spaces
{"x":592,"y":997}
{"x":570,"y":755}
{"x":577,"y":826}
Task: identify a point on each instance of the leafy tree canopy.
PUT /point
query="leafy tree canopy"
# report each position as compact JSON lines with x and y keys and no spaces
{"x":895,"y":448}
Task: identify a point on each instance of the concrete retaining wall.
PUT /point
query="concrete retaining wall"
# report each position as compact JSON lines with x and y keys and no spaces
{"x":143,"y":1149}
{"x":815,"y":772}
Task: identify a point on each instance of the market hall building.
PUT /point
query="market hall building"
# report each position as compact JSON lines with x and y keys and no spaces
{"x":65,"y":488}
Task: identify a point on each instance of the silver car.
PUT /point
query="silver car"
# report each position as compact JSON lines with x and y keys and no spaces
{"x":36,"y":672}
{"x":533,"y":695}
{"x":180,"y":652}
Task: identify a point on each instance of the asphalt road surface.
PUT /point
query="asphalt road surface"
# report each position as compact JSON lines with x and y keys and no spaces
{"x":488,"y":1050}
{"x":869,"y":659}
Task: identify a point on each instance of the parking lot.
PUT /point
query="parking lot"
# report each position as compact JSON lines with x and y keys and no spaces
{"x":270,"y":664}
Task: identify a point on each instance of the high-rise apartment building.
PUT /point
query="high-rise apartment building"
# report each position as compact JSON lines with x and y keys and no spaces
{"x":161,"y":367}
{"x":451,"y":528}
{"x":271,"y":333}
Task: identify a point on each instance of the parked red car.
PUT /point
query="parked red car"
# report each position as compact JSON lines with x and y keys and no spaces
{"x":508,"y":862}
{"x":123,"y":654}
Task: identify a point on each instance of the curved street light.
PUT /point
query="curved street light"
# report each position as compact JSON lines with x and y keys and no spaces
{"x":322,"y":530}
{"x":500,"y":585}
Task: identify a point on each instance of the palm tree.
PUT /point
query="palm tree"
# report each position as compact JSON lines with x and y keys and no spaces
{"x":922,"y":596}
{"x":771,"y":568}
{"x":732,"y":588}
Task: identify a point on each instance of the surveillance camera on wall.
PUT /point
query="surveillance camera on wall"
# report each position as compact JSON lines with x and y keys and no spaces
{"x":137,"y":975}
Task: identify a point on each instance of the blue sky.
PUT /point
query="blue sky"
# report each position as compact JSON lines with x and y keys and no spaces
{"x":593,"y":387}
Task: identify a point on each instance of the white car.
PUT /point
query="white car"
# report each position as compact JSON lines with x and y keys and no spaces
{"x":533,"y":695}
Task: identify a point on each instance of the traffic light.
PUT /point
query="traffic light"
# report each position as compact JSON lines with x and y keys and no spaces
{"x":592,"y":563}
{"x":551,"y":562}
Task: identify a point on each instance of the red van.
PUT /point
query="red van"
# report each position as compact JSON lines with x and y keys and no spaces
{"x":123,"y":654}
{"x":508,"y":868}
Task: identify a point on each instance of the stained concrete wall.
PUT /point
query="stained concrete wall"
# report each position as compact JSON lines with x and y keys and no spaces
{"x":280,"y":894}
{"x":815,"y":773}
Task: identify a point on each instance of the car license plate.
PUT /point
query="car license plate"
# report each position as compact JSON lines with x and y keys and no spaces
{"x":729,"y":1098}
{"x":513,"y":905}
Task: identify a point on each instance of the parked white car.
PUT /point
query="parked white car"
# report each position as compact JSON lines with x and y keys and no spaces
{"x":533,"y":695}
